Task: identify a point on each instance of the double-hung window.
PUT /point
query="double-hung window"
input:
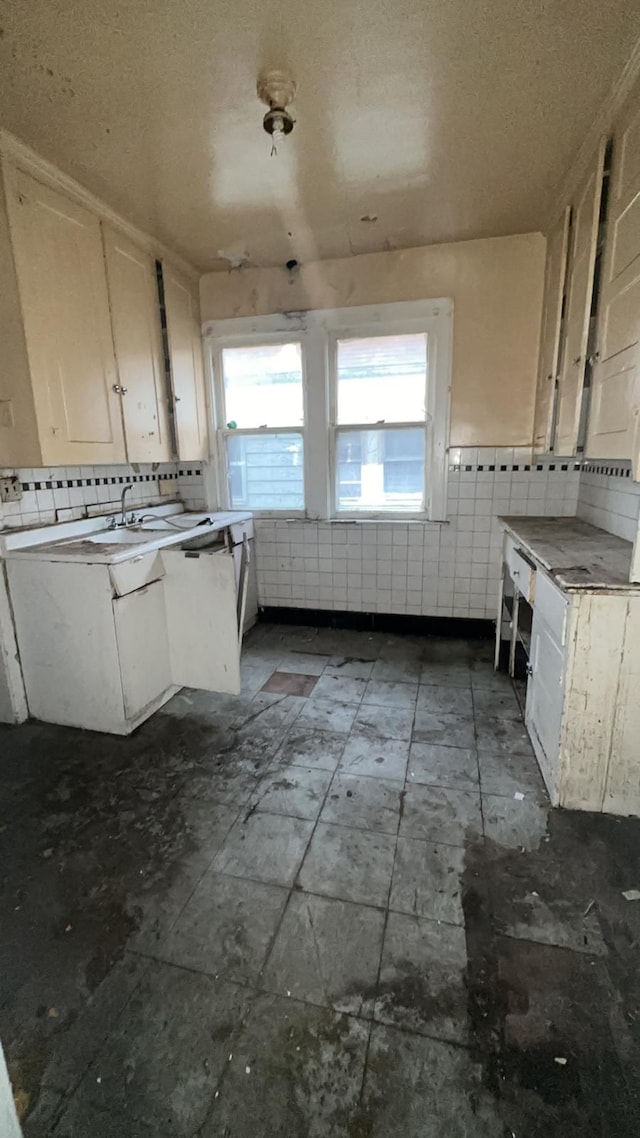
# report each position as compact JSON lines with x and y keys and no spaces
{"x":335,"y":413}
{"x":380,"y":422}
{"x":262,"y":411}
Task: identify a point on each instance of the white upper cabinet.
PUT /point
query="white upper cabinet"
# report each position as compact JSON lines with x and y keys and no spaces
{"x":182,"y":309}
{"x":137,"y":335}
{"x":579,"y":290}
{"x":550,"y":339}
{"x":615,"y":406}
{"x":57,"y":248}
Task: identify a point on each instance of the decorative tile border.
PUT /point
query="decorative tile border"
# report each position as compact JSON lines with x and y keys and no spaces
{"x":506,"y":468}
{"x":61,"y":483}
{"x":111,"y":480}
{"x":609,"y":469}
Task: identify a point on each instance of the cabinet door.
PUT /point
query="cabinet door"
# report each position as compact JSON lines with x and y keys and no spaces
{"x":137,"y":335}
{"x":550,"y":338}
{"x":584,"y":241}
{"x":143,"y":647}
{"x":545,"y":699}
{"x":187,"y":371}
{"x":202,"y":619}
{"x":615,"y":403}
{"x":63,"y":288}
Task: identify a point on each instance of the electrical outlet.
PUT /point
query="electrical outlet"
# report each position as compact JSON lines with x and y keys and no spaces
{"x":10,"y":488}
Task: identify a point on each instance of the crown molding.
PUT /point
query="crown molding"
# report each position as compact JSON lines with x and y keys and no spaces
{"x":600,"y":128}
{"x":17,"y":153}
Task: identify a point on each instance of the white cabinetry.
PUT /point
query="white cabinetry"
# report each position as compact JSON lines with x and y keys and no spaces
{"x":102,"y":646}
{"x":554,"y":282}
{"x":584,"y":237}
{"x":545,"y":687}
{"x":137,"y":336}
{"x":71,"y":366}
{"x":83,"y":379}
{"x":614,"y":422}
{"x":182,"y":308}
{"x":582,"y":708}
{"x":143,"y":648}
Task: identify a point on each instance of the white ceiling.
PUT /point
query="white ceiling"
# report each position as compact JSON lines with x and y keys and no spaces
{"x":448,"y":119}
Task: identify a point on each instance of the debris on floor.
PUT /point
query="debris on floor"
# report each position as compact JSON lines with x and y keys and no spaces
{"x":343,"y":884}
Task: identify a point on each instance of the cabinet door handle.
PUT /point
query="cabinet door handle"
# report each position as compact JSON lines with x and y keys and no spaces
{"x":120,"y":390}
{"x":577,"y":360}
{"x":529,"y":669}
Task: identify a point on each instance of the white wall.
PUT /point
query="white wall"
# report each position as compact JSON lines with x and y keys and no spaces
{"x":496,"y":286}
{"x":609,"y":498}
{"x":431,"y":569}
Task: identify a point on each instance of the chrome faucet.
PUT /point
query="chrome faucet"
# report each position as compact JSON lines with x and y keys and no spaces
{"x":123,"y":509}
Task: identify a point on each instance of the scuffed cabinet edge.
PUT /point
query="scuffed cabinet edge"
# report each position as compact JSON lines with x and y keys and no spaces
{"x":595,"y":635}
{"x":15,"y":709}
{"x":622,"y":786}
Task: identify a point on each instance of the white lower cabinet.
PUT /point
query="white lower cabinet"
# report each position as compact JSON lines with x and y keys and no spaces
{"x":102,"y":647}
{"x":201,"y":607}
{"x":143,"y":648}
{"x":582,"y":706}
{"x":545,"y":696}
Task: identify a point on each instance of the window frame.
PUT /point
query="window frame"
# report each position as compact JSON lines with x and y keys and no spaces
{"x":318,"y":331}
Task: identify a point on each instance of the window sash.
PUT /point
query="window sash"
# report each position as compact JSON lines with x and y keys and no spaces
{"x":383,"y":511}
{"x":226,"y":434}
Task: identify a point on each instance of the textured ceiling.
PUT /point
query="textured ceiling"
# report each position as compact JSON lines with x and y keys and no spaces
{"x":447,"y":119}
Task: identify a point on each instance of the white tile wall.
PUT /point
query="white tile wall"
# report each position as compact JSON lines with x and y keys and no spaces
{"x":63,"y":493}
{"x":448,"y":569}
{"x":609,"y":498}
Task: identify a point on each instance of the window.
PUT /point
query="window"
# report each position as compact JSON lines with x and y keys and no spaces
{"x":263,"y":404}
{"x":335,"y":413}
{"x":380,"y":380}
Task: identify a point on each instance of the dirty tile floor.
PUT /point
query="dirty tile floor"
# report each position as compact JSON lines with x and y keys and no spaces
{"x":335,"y":905}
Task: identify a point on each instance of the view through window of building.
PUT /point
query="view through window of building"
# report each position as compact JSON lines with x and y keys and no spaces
{"x":264,"y":400}
{"x":381,"y":380}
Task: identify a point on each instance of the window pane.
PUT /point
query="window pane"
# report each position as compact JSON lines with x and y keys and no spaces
{"x":380,"y":469}
{"x":263,"y":385}
{"x":266,"y":472}
{"x":382,"y":379}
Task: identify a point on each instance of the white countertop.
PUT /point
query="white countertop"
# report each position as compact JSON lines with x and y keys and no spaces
{"x":72,"y":541}
{"x":578,"y":556}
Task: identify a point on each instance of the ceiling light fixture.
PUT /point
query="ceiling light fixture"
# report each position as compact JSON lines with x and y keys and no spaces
{"x":277,"y":89}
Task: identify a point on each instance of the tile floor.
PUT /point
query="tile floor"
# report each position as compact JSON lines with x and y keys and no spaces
{"x":316,"y":909}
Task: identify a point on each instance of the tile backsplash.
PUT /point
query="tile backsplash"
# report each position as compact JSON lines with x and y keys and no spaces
{"x":440,"y":569}
{"x":446,"y":568}
{"x":609,"y":498}
{"x":63,"y":493}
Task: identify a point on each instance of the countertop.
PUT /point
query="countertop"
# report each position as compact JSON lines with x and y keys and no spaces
{"x":577,"y":556}
{"x":73,"y":541}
